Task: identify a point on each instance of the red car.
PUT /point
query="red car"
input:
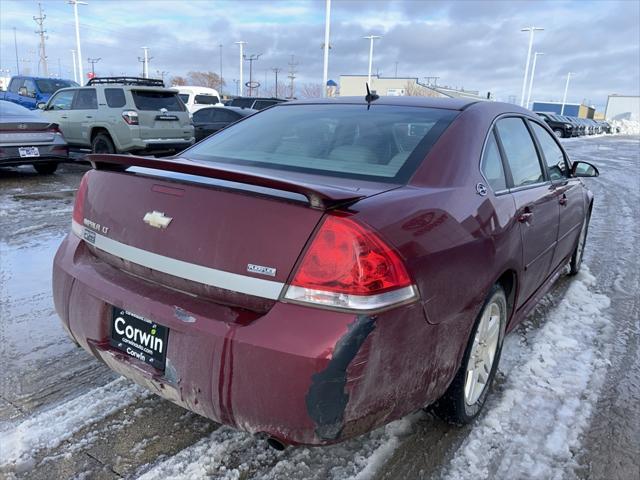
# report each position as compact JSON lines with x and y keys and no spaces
{"x":321,"y":268}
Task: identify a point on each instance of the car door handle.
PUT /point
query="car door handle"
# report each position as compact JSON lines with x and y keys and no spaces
{"x":525,"y":215}
{"x":88,"y":116}
{"x":563,"y":199}
{"x":63,"y":116}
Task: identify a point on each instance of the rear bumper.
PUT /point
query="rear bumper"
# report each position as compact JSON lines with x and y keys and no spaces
{"x":48,"y":153}
{"x":161,"y":145}
{"x":303,"y":375}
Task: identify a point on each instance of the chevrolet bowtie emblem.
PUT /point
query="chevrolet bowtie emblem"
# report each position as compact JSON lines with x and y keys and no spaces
{"x":157,"y":219}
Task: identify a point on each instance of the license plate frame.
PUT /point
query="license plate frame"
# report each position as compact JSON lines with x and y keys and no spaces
{"x":28,"y":152}
{"x":139,"y":337}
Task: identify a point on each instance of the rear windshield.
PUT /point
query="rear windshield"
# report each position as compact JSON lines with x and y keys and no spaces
{"x":53,"y":85}
{"x":207,"y":99}
{"x":184,"y":97}
{"x":242,"y":102}
{"x":151,"y":100}
{"x":384,"y":143}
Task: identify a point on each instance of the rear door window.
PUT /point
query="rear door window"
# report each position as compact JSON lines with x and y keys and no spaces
{"x":86,"y":99}
{"x":520,"y":151}
{"x":155,"y":100}
{"x":492,"y":165}
{"x":553,"y":156}
{"x":381,"y":142}
{"x":203,"y":116}
{"x":115,"y":97}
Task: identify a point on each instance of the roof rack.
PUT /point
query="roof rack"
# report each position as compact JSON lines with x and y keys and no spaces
{"x":147,"y":82}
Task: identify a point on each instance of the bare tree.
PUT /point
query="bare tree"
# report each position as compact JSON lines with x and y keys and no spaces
{"x":178,"y":81}
{"x":412,"y":89}
{"x":206,"y":79}
{"x":311,"y":90}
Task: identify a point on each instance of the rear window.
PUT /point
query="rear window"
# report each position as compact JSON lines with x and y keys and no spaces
{"x":242,"y":102}
{"x":52,"y":85}
{"x":155,"y":100}
{"x":207,"y":99}
{"x":260,"y":104}
{"x":184,"y":97}
{"x":115,"y":97}
{"x":382,"y":143}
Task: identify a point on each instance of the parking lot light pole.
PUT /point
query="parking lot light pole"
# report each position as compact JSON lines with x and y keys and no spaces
{"x":564,"y":97}
{"x":325,"y":69}
{"x":75,"y":4}
{"x":371,"y":39}
{"x":531,"y":31}
{"x":241,"y":44}
{"x":533,"y":72}
{"x":75,"y":66}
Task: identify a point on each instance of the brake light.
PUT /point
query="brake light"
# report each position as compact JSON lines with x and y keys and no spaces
{"x":131,"y":117}
{"x":54,"y":128}
{"x":349,"y":266}
{"x":78,"y":206}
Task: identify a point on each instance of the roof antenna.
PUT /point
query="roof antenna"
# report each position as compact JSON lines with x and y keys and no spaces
{"x":370,"y":96}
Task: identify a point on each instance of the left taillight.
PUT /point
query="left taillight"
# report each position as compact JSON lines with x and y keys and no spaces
{"x":78,"y":206}
{"x":348,"y":266}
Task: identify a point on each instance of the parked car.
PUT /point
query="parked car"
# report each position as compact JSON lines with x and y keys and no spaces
{"x":28,"y":139}
{"x":207,"y":121}
{"x":196,"y":98}
{"x":29,"y":91}
{"x":256,"y":103}
{"x":323,"y":267}
{"x":560,"y":126}
{"x":579,"y":127}
{"x":606,"y":126}
{"x":122,"y":114}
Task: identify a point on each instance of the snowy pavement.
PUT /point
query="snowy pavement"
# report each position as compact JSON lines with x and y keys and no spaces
{"x":565,"y":403}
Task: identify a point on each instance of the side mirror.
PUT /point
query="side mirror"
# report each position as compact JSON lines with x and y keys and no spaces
{"x":22,"y":91}
{"x":584,"y":169}
{"x":41,"y":105}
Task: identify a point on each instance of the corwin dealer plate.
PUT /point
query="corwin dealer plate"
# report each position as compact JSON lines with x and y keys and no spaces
{"x":139,"y":337}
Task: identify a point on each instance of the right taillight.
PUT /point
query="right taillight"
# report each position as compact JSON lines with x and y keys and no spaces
{"x":348,"y":266}
{"x":78,"y":206}
{"x":131,"y":117}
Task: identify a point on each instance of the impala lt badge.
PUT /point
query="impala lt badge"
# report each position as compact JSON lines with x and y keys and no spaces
{"x":157,"y":219}
{"x":262,"y":270}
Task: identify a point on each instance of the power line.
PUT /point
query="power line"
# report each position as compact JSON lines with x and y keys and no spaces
{"x":41,"y":31}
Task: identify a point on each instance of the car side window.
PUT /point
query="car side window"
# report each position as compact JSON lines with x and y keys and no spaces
{"x":30,"y":86}
{"x":86,"y":99}
{"x":520,"y":151}
{"x":202,"y":116}
{"x":15,"y":85}
{"x":115,"y":97}
{"x":553,"y":156}
{"x":62,"y":100}
{"x":491,"y":165}
{"x":226,"y":116}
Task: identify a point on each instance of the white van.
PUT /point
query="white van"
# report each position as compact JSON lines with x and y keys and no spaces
{"x":196,"y":98}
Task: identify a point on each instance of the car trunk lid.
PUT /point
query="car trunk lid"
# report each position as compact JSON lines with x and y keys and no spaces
{"x":161,"y":114}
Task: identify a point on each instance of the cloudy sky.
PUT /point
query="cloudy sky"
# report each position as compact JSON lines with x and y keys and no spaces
{"x":477,"y":45}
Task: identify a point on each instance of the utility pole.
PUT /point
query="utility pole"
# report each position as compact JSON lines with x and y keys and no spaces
{"x":276,"y":70}
{"x":533,"y":72}
{"x":371,"y":38}
{"x":75,"y":4}
{"x":220,"y":47}
{"x":325,"y":70}
{"x":531,"y":31}
{"x":75,"y":66}
{"x":241,"y":44}
{"x":237,"y":82}
{"x":93,"y":62}
{"x":564,"y":97}
{"x":41,"y":31}
{"x":251,"y":58}
{"x":15,"y":43}
{"x":292,"y":75}
{"x":162,"y":74}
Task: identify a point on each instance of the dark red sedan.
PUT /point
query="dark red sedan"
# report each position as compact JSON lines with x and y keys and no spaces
{"x":321,"y":268}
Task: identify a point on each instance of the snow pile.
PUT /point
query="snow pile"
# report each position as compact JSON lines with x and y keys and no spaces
{"x":230,"y":454}
{"x":627,"y":127}
{"x":50,"y":428}
{"x":532,"y":428}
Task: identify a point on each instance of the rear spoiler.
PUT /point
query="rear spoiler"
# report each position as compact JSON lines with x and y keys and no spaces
{"x":319,"y":196}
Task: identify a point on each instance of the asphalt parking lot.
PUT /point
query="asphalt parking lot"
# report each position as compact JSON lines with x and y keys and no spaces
{"x":565,"y":404}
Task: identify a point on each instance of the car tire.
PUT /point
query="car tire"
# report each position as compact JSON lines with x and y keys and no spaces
{"x":468,"y":392}
{"x":558,"y":133}
{"x":45,"y":168}
{"x":102,"y":143}
{"x":578,"y":253}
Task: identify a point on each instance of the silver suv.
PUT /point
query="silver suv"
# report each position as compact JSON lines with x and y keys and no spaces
{"x":122,"y":114}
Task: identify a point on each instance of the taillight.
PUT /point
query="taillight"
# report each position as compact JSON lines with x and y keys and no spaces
{"x":54,"y":128}
{"x":348,"y":266}
{"x":131,"y":117}
{"x":78,"y":206}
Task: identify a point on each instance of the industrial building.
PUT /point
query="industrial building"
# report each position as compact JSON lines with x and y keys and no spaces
{"x":623,"y":107}
{"x":570,"y":109}
{"x":354,"y":85}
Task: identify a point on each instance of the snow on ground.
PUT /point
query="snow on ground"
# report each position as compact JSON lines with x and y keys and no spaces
{"x":51,"y":427}
{"x":532,"y":429}
{"x":627,"y":127}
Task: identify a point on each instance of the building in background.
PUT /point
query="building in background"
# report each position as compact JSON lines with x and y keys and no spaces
{"x":4,"y":82}
{"x":623,"y":107}
{"x":355,"y":85}
{"x":570,"y":109}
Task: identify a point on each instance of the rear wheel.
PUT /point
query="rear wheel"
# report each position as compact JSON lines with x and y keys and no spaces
{"x":45,"y":168}
{"x":102,"y":143}
{"x":578,"y":253}
{"x":558,"y":133}
{"x":467,"y":394}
